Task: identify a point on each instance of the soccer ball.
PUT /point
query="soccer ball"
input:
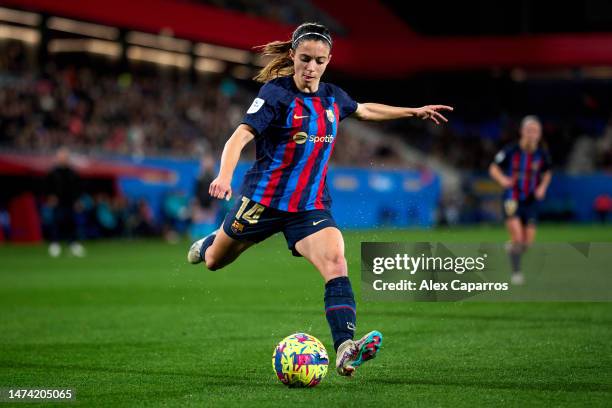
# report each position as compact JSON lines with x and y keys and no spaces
{"x":300,"y":360}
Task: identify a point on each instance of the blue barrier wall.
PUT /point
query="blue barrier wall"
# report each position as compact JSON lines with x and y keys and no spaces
{"x":569,"y":197}
{"x":576,"y":194}
{"x":365,"y":198}
{"x":362,"y":198}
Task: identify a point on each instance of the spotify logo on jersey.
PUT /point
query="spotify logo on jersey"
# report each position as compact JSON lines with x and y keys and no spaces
{"x":325,"y":139}
{"x":301,"y":137}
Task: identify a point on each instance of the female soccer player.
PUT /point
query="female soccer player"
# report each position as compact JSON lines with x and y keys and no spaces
{"x":294,"y":121}
{"x":523,"y":170}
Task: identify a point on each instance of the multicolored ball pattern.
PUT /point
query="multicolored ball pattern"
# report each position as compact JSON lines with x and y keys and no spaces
{"x":300,"y":360}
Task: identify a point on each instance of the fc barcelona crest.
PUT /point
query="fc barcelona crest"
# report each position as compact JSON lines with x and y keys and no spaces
{"x":237,"y":227}
{"x":330,"y":115}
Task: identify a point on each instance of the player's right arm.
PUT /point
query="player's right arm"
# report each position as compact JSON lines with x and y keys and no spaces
{"x":496,"y":172}
{"x":498,"y":175}
{"x":221,"y":187}
{"x":258,"y":117}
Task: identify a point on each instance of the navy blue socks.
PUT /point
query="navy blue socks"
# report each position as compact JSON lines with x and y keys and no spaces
{"x":340,"y":309}
{"x":207,"y":242}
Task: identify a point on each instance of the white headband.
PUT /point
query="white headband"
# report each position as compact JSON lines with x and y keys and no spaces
{"x":325,"y":37}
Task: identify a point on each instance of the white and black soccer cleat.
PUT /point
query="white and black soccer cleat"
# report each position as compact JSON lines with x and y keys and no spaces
{"x":517,"y":279}
{"x":194,"y":256}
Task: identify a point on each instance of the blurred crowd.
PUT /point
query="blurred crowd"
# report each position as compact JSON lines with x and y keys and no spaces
{"x":468,"y":149}
{"x":116,"y":113}
{"x":141,"y":114}
{"x":135,"y":114}
{"x":576,"y":116}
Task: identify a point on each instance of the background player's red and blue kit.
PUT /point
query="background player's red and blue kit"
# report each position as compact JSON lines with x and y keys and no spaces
{"x":526,"y":170}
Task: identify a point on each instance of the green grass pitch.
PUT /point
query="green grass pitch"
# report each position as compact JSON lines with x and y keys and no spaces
{"x":133,"y":324}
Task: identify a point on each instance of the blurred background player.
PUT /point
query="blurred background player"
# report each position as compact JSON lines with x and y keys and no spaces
{"x":523,"y":170}
{"x":64,"y":188}
{"x":294,"y":120}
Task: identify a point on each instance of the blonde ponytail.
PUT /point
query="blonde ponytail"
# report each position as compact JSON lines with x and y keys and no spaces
{"x":281,"y":63}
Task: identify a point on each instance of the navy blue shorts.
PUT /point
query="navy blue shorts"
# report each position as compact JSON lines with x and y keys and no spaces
{"x":251,"y":221}
{"x":526,"y":211}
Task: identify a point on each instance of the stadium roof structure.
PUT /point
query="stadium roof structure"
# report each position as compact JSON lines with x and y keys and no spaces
{"x":378,"y":43}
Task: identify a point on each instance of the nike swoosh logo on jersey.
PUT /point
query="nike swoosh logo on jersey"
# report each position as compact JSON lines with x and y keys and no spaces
{"x":299,"y":117}
{"x":315,"y":223}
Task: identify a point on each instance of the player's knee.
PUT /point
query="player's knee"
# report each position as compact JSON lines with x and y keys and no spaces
{"x":212,"y":263}
{"x":335,"y":264}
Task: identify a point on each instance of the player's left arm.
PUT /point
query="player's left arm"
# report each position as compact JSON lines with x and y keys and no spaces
{"x":379,"y":112}
{"x":541,"y":189}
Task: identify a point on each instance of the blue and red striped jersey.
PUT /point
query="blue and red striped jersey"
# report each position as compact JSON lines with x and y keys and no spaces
{"x":525,"y":169}
{"x":295,"y":136}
